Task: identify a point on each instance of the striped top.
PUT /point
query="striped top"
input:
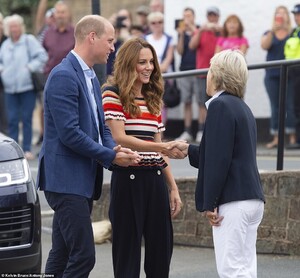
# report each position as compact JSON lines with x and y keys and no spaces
{"x":143,"y":127}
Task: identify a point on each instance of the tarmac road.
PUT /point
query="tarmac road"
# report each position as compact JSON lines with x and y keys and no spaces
{"x":190,"y":262}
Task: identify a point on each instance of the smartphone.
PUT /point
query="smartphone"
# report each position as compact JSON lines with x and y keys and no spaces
{"x":120,"y":22}
{"x":179,"y":23}
{"x":210,"y":25}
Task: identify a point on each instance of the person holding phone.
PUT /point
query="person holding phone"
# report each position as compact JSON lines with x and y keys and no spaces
{"x":189,"y":85}
{"x":273,"y":41}
{"x":204,"y":42}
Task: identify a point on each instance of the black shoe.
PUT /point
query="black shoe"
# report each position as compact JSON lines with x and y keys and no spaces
{"x":295,"y":146}
{"x":39,"y":141}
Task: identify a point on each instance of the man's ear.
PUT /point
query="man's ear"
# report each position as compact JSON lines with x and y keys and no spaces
{"x":92,"y":36}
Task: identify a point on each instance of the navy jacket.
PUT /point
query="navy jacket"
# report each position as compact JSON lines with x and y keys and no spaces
{"x":71,"y":160}
{"x":226,"y":157}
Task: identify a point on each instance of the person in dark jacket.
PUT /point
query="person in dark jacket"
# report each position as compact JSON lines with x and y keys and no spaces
{"x":77,"y":146}
{"x":228,"y":189}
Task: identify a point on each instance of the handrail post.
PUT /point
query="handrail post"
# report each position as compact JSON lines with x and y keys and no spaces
{"x":282,"y":115}
{"x":100,"y":69}
{"x":96,"y":7}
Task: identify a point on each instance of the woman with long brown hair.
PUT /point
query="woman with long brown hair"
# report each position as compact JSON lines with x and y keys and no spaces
{"x":144,"y":196}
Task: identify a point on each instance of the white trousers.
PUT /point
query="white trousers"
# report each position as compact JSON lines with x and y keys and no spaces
{"x":235,"y":239}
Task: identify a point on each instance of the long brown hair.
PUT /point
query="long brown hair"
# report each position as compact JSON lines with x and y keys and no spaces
{"x":240,"y":29}
{"x":124,"y":77}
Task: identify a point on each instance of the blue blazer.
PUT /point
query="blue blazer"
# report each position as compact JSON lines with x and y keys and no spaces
{"x":226,"y":157}
{"x":71,"y":160}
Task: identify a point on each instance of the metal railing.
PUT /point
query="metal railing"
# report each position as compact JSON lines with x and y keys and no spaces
{"x":283,"y":65}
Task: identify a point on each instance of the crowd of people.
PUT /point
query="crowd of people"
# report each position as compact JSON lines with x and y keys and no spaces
{"x":86,"y":126}
{"x":195,"y":45}
{"x":38,"y":52}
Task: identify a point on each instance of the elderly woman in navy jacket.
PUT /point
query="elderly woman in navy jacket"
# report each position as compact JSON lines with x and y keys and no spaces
{"x":20,"y":54}
{"x":228,"y":188}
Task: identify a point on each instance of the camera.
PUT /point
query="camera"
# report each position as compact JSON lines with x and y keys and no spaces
{"x":179,"y":23}
{"x":119,"y":22}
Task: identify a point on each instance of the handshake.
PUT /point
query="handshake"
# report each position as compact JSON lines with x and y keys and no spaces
{"x":176,"y":149}
{"x":173,"y":149}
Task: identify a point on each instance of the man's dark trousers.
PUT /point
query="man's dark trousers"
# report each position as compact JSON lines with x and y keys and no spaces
{"x":73,"y":249}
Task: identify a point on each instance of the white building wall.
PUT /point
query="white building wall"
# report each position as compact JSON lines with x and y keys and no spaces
{"x":256,"y":16}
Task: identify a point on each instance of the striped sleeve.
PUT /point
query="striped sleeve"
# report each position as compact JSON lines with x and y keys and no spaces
{"x":161,"y":127}
{"x":112,"y":106}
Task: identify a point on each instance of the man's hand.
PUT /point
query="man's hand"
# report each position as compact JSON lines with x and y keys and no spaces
{"x":125,"y":157}
{"x":213,"y":217}
{"x":176,"y":149}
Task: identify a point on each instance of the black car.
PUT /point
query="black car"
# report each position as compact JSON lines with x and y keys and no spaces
{"x":20,"y":214}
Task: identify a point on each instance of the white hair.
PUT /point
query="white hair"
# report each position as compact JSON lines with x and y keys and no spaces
{"x":15,"y":18}
{"x":229,"y":72}
{"x":155,"y":16}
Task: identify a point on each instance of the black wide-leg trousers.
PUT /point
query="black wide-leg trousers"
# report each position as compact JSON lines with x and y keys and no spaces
{"x":139,"y":209}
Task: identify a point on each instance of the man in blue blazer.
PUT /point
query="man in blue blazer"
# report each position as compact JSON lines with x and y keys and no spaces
{"x":77,"y":145}
{"x":228,"y":187}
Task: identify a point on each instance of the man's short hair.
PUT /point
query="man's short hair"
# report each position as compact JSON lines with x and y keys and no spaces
{"x":88,"y":24}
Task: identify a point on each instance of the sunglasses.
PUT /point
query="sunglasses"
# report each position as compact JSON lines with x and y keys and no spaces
{"x":156,"y":22}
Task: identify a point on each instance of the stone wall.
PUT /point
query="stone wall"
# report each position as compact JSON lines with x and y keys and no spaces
{"x":279,"y":232}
